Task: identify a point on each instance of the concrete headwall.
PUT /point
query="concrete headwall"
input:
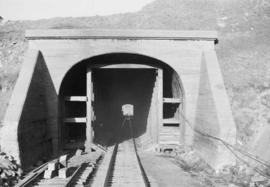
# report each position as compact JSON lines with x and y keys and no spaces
{"x":29,"y":124}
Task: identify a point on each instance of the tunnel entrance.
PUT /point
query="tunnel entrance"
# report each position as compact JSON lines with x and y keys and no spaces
{"x":93,"y":92}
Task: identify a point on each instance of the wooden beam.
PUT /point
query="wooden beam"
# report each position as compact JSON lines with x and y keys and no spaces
{"x":171,"y":100}
{"x":170,"y":133}
{"x":171,"y":121}
{"x":89,"y":93}
{"x":169,"y":143}
{"x":159,"y":100}
{"x":127,"y":66}
{"x":76,"y":98}
{"x":75,"y":120}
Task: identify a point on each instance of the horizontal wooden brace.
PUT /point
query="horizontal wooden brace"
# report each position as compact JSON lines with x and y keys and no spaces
{"x":75,"y":120}
{"x":171,"y":100}
{"x":171,"y":121}
{"x":175,"y":142}
{"x":76,"y":98}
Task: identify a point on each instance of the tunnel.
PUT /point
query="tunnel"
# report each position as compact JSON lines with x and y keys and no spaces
{"x":118,"y":79}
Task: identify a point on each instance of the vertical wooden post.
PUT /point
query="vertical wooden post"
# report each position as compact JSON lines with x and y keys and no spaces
{"x":159,"y":101}
{"x":62,"y":131}
{"x":89,"y":131}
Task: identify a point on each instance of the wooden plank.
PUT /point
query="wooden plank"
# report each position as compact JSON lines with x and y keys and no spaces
{"x":171,"y":142}
{"x":165,"y":135}
{"x":171,"y":100}
{"x":160,"y":99}
{"x":61,"y":131}
{"x":33,"y":174}
{"x":127,"y":66}
{"x":169,"y":138}
{"x":171,"y":121}
{"x":76,"y":98}
{"x":170,"y":130}
{"x":89,"y":94}
{"x":75,"y":120}
{"x":57,"y":34}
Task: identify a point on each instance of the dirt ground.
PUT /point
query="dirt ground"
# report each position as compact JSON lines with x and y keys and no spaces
{"x":164,"y":172}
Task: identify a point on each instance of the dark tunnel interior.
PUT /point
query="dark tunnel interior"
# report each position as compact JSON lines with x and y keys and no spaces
{"x":114,"y":88}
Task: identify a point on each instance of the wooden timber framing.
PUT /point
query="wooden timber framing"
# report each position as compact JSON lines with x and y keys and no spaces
{"x":171,"y":100}
{"x":160,"y":100}
{"x":171,"y":121}
{"x":127,"y":66}
{"x":75,"y":120}
{"x":89,"y":129}
{"x":76,"y":98}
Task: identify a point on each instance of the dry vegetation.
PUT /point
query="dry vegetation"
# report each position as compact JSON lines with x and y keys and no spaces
{"x":12,"y":46}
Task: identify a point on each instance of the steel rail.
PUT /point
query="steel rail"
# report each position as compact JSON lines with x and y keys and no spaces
{"x":36,"y":173}
{"x":112,"y":163}
{"x":33,"y":175}
{"x":72,"y":179}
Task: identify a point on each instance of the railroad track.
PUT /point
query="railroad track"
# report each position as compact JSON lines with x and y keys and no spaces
{"x":78,"y":176}
{"x":126,"y":170}
{"x":121,"y":167}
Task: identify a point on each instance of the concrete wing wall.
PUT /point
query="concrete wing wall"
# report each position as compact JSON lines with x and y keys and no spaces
{"x":28,"y":129}
{"x":213,"y":115}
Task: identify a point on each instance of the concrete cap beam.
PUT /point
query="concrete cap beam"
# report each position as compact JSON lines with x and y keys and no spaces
{"x":68,"y":34}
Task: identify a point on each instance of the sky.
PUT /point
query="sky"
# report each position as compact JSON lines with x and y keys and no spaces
{"x":39,"y":9}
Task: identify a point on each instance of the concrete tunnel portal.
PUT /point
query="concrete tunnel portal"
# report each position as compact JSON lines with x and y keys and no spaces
{"x":110,"y":81}
{"x":74,"y":100}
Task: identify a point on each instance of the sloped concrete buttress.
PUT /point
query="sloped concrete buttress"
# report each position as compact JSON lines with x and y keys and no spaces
{"x":29,"y":131}
{"x":226,"y":125}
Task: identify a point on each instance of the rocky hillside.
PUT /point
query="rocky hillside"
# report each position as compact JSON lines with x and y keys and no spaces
{"x":243,"y":49}
{"x":12,"y":46}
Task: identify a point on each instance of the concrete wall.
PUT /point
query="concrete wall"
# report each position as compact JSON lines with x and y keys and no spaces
{"x":225,"y":121}
{"x":31,"y":114}
{"x":208,"y":116}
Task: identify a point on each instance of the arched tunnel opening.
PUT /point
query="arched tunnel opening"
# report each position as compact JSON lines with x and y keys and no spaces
{"x":150,"y":85}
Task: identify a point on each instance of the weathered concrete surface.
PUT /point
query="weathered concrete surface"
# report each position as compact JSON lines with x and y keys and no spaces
{"x":213,"y":108}
{"x":193,"y":59}
{"x":30,"y":131}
